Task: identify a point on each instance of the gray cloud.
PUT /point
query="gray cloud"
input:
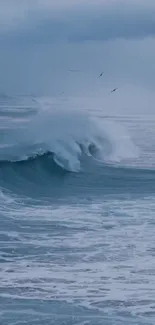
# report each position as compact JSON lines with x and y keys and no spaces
{"x":45,"y":24}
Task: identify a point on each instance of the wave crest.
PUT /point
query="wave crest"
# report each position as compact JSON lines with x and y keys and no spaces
{"x":67,"y":135}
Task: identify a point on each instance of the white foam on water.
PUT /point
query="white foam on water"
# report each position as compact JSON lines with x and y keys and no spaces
{"x":98,"y":256}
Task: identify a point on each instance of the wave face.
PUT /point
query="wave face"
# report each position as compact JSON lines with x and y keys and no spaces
{"x":41,"y":141}
{"x":51,"y":148}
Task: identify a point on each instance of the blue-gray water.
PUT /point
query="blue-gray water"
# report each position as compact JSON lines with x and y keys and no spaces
{"x":77,"y":214}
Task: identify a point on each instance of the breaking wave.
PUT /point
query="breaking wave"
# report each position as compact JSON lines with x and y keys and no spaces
{"x":67,"y":136}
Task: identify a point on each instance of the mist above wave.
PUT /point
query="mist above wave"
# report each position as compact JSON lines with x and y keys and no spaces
{"x":67,"y":134}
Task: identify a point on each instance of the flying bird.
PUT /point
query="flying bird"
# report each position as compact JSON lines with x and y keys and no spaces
{"x":112,"y":91}
{"x":74,"y":70}
{"x":101,"y":74}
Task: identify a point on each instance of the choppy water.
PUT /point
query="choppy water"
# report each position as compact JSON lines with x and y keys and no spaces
{"x":77,"y":210}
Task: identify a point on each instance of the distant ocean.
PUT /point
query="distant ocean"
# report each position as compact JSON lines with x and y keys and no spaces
{"x":77,"y":213}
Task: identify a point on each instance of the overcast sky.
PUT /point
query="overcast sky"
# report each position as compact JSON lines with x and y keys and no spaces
{"x":42,"y":39}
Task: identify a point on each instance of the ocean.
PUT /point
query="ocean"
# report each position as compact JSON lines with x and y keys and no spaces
{"x":77,"y":204}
